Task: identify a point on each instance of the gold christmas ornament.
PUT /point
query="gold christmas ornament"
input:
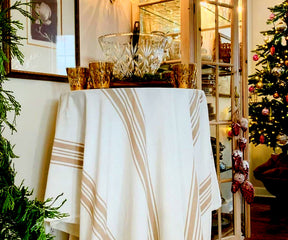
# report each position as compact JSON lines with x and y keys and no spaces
{"x":282,"y":140}
{"x":259,"y":85}
{"x":277,"y":71}
{"x":276,"y":95}
{"x":280,"y":26}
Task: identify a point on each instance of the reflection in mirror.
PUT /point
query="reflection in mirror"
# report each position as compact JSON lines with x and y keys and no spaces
{"x":225,"y":152}
{"x":227,"y":214}
{"x":207,"y":32}
{"x":163,"y":17}
{"x":211,"y":102}
{"x":227,"y":219}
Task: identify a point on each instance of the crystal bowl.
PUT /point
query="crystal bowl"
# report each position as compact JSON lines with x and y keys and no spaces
{"x":134,"y":54}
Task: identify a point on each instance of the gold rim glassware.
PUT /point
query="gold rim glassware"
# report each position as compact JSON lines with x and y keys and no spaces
{"x":185,"y":75}
{"x":77,"y":77}
{"x":168,"y":76}
{"x":101,"y":74}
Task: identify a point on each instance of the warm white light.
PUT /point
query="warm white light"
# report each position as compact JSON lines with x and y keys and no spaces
{"x":134,"y":1}
{"x":239,"y":9}
{"x":204,"y":4}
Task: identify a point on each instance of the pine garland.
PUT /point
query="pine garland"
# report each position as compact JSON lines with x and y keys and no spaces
{"x":21,"y":217}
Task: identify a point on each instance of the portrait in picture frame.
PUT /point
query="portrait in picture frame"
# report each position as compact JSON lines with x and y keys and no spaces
{"x":51,"y":41}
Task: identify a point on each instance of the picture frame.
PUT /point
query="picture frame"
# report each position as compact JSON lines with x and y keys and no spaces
{"x":224,"y":85}
{"x":51,"y":43}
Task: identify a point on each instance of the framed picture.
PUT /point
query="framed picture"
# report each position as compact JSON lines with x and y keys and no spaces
{"x":224,"y":85}
{"x":51,"y":41}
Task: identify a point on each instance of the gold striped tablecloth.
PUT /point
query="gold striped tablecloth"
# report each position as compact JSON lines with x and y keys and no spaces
{"x":134,"y":164}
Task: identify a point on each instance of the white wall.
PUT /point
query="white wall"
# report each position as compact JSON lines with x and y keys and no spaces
{"x":36,"y":126}
{"x":258,"y":15}
{"x":99,"y":17}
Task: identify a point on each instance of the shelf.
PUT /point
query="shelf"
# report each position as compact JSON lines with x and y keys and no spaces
{"x":131,"y":84}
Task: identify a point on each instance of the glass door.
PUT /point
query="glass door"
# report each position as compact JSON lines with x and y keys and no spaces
{"x":211,"y":33}
{"x":220,"y":73}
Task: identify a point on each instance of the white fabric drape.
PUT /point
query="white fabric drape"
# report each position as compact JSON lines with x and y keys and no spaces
{"x":134,"y":164}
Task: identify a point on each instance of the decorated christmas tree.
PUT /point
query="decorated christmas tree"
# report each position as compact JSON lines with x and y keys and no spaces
{"x":268,"y":105}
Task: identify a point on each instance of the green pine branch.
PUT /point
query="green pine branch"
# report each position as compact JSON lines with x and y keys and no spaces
{"x":21,"y":216}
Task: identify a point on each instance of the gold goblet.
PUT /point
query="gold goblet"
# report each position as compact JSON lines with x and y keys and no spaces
{"x":77,"y":77}
{"x":101,"y":74}
{"x":185,"y":75}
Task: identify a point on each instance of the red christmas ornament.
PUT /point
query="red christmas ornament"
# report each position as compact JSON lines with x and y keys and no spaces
{"x":235,"y":186}
{"x":242,"y":143}
{"x":245,"y":169}
{"x":272,"y":50}
{"x":265,"y":111}
{"x":255,"y":57}
{"x":251,"y":89}
{"x":276,"y":95}
{"x":230,"y":133}
{"x":286,"y":98}
{"x":239,"y":177}
{"x":237,"y":160}
{"x":237,"y":155}
{"x":236,"y":128}
{"x":248,"y":191}
{"x":262,"y":139}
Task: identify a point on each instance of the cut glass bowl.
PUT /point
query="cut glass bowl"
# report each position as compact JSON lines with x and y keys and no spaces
{"x":134,"y":54}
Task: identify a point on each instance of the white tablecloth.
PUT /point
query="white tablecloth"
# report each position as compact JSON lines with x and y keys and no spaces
{"x":134,"y":164}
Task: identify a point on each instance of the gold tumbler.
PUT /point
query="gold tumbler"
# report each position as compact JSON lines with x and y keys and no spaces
{"x":77,"y":77}
{"x":185,"y":75}
{"x":101,"y":74}
{"x":168,"y":77}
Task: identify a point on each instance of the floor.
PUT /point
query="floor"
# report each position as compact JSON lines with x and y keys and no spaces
{"x":266,"y":224}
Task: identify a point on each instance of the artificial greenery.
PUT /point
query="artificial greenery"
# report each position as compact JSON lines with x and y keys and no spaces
{"x":268,"y":107}
{"x":21,"y":216}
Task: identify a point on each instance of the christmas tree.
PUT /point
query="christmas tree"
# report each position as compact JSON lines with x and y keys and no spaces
{"x":268,"y":104}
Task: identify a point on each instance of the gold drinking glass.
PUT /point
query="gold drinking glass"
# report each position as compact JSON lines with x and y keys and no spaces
{"x":168,"y":76}
{"x":77,"y":77}
{"x":101,"y":74}
{"x":185,"y":75}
